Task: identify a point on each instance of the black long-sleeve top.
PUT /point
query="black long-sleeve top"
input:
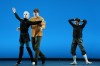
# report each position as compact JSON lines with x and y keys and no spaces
{"x":77,"y":29}
{"x":25,"y":23}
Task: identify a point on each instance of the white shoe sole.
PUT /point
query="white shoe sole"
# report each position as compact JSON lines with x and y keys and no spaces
{"x":33,"y":63}
{"x":73,"y":63}
{"x":88,"y":62}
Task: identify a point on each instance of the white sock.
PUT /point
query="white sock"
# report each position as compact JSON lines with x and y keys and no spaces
{"x":74,"y":58}
{"x":85,"y":57}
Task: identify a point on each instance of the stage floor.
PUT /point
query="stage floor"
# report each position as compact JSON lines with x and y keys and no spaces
{"x":47,"y":63}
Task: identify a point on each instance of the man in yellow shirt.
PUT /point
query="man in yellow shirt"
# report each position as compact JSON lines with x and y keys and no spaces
{"x":37,"y":35}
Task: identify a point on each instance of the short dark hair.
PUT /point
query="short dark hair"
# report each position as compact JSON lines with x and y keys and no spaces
{"x":36,"y":10}
{"x":77,"y":19}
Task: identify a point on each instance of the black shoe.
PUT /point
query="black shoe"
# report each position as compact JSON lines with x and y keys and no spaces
{"x":43,"y":60}
{"x":35,"y":62}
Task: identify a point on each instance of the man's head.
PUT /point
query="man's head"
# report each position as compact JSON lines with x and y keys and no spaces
{"x":77,"y":20}
{"x":26,"y":14}
{"x":36,"y":12}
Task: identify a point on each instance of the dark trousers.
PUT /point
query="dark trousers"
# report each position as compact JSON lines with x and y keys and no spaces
{"x":21,"y":50}
{"x":36,"y":47}
{"x":79,"y":42}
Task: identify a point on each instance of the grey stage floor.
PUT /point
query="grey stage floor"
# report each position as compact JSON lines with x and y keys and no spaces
{"x":48,"y":63}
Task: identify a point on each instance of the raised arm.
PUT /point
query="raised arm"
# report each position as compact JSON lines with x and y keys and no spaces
{"x":84,"y":23}
{"x":16,"y":15}
{"x":70,"y":21}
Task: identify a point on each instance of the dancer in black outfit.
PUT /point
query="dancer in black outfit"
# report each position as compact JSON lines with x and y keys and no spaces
{"x":77,"y":39}
{"x":24,"y":35}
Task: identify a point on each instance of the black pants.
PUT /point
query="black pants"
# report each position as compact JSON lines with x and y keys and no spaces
{"x":21,"y":50}
{"x":36,"y":45}
{"x":24,"y":37}
{"x":79,"y":42}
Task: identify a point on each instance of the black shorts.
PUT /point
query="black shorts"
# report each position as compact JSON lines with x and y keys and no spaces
{"x":24,"y":37}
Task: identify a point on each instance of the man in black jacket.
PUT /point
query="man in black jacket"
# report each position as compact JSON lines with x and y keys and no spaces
{"x":77,"y":39}
{"x":24,"y":35}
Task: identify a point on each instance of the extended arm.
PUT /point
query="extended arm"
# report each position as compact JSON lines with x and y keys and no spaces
{"x":34,"y":22}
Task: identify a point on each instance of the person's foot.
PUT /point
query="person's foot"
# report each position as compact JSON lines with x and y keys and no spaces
{"x":73,"y":63}
{"x":17,"y":63}
{"x":88,"y":62}
{"x":33,"y":63}
{"x":43,"y":60}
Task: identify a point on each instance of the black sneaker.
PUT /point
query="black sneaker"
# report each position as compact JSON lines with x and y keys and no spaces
{"x":35,"y":62}
{"x":43,"y":60}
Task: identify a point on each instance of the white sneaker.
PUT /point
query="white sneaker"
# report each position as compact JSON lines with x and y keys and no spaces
{"x":73,"y":63}
{"x":88,"y":62}
{"x":33,"y":63}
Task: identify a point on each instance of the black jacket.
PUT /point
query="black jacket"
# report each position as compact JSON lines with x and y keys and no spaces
{"x":77,"y":30}
{"x":25,"y":23}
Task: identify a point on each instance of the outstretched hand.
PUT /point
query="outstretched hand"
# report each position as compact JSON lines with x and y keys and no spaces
{"x":14,"y":10}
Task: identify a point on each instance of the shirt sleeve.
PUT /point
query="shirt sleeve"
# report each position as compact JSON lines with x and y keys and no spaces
{"x":70,"y":21}
{"x":43,"y":24}
{"x":16,"y":15}
{"x":84,"y":23}
{"x":34,"y":22}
